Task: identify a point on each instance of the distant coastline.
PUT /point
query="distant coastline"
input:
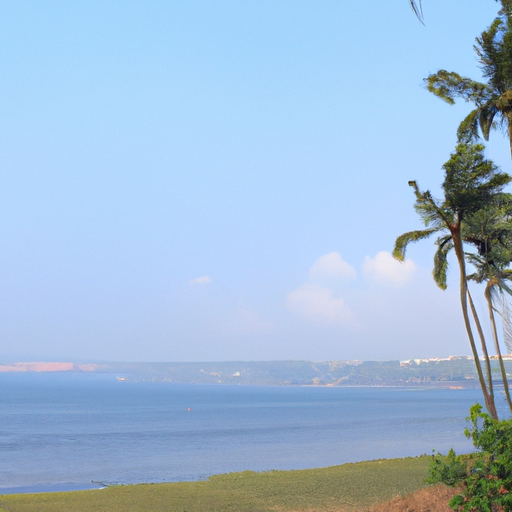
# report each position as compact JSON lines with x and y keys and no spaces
{"x":48,"y":367}
{"x":456,"y":372}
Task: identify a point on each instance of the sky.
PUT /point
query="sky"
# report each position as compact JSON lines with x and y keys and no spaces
{"x":198,"y":180}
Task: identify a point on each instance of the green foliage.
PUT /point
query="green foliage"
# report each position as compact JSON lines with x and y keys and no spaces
{"x":488,"y":484}
{"x":471,"y":181}
{"x":490,"y":232}
{"x":448,"y":469}
{"x":448,"y":85}
{"x":404,"y":240}
{"x":493,"y":97}
{"x":472,"y":185}
{"x":440,"y":272}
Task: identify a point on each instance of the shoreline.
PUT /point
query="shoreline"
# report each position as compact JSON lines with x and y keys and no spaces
{"x":348,"y":487}
{"x":66,"y":487}
{"x":51,"y":488}
{"x":450,"y":372}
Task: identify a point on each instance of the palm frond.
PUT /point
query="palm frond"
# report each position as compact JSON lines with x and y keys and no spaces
{"x":506,"y":8}
{"x":486,"y":118}
{"x":448,"y":85}
{"x":505,"y":287}
{"x":487,"y":48}
{"x":468,"y":128}
{"x":471,"y":180}
{"x":481,"y":267}
{"x":444,"y":246}
{"x":428,"y":208}
{"x":404,"y":240}
{"x":417,"y":9}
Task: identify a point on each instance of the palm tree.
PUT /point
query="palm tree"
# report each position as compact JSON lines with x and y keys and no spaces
{"x":470,"y":183}
{"x":440,"y":273}
{"x":493,"y":98}
{"x":496,"y":285}
{"x":490,"y":231}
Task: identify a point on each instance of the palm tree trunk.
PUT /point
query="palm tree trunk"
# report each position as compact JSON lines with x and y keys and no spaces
{"x":459,"y":252}
{"x":488,"y":296}
{"x":509,"y":123}
{"x":484,"y":344}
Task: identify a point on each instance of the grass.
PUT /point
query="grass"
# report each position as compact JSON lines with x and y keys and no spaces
{"x":348,"y":487}
{"x":430,"y":499}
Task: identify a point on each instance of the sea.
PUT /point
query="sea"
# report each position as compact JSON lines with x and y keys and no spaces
{"x":61,"y":431}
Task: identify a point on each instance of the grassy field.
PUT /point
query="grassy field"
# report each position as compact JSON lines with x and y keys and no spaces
{"x":346,"y":487}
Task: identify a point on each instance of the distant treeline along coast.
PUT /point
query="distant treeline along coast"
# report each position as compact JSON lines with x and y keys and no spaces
{"x":455,"y":371}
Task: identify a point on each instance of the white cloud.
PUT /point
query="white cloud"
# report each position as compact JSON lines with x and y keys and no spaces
{"x":385,"y":269}
{"x":316,"y":302}
{"x":332,"y":266}
{"x":315,"y":299}
{"x":324,"y":297}
{"x":201,"y":280}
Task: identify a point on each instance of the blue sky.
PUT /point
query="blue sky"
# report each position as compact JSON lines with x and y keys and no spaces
{"x":223,"y":180}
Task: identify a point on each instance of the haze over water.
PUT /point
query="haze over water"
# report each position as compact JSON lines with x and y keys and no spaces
{"x":69,"y":428}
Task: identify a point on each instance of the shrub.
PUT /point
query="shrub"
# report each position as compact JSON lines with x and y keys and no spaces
{"x":488,"y":483}
{"x":448,"y":469}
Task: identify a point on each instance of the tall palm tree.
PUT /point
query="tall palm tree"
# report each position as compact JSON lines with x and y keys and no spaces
{"x":490,"y":231}
{"x":492,"y":98}
{"x":470,"y":183}
{"x":496,"y":285}
{"x":440,"y":273}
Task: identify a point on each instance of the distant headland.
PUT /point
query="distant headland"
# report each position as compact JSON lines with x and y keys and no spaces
{"x":453,"y":372}
{"x":48,"y":367}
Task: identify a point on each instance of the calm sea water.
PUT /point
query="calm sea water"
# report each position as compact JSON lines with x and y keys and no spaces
{"x":76,"y":429}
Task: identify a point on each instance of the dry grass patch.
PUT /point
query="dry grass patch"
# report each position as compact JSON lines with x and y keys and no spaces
{"x":430,"y":499}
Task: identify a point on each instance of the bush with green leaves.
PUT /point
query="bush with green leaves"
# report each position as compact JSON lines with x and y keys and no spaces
{"x":448,"y":469}
{"x":485,"y":476}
